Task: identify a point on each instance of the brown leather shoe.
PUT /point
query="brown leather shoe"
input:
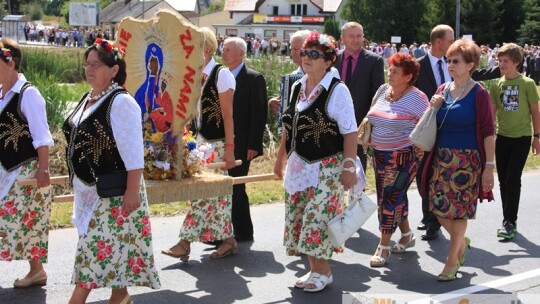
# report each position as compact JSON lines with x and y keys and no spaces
{"x":38,"y":279}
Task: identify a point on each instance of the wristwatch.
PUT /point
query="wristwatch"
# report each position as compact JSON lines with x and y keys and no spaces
{"x":537,"y":135}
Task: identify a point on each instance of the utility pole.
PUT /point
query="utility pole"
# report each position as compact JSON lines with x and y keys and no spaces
{"x":458,"y":13}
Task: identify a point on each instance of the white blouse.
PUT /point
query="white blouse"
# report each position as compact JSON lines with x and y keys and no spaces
{"x":127,"y":131}
{"x":299,"y":174}
{"x":225,"y":82}
{"x":33,"y":108}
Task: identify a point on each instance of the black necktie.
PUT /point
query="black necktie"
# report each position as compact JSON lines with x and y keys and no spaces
{"x":348,"y":74}
{"x":441,"y":73}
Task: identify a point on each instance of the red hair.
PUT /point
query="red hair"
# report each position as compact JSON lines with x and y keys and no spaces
{"x":407,"y":63}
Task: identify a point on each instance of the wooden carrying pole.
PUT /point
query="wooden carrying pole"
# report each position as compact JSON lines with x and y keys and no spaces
{"x":64,"y":179}
{"x":236,"y":181}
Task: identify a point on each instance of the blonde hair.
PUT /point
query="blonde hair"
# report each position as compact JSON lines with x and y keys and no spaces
{"x":210,"y":41}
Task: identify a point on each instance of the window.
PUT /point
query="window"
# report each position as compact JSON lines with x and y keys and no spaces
{"x":276,"y":10}
{"x":305,"y":10}
{"x":293,"y":9}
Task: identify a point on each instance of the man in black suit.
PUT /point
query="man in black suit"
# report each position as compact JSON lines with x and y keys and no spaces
{"x":249,"y":114}
{"x":361,"y":70}
{"x":433,"y":73}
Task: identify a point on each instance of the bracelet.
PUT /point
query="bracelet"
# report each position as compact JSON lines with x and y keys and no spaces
{"x":43,"y":170}
{"x":350,"y":169}
{"x":490,"y":163}
{"x":347,"y":159}
{"x":229,"y":146}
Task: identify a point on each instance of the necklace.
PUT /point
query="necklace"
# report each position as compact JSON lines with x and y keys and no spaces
{"x":462,"y":90}
{"x":392,"y":98}
{"x":96,"y":97}
{"x":453,"y":102}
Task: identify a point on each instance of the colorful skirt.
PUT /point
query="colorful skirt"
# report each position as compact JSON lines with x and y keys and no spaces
{"x":308,"y":212}
{"x":455,"y":183}
{"x":209,"y":219}
{"x":394,"y":173}
{"x":24,"y":220}
{"x":116,"y":251}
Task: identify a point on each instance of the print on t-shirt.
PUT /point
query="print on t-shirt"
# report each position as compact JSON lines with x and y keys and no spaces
{"x":510,"y":98}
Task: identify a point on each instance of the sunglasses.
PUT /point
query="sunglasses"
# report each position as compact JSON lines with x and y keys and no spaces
{"x":313,"y":54}
{"x":454,"y":61}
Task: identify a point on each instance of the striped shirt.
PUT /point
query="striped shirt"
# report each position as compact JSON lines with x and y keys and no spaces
{"x":393,"y":122}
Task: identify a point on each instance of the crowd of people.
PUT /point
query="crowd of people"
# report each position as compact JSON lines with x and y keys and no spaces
{"x":319,"y":157}
{"x":37,"y":33}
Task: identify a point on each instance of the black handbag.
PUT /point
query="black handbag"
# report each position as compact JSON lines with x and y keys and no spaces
{"x":109,"y":184}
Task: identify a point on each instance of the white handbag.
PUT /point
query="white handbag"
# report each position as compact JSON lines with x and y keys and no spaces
{"x":424,"y":134}
{"x":344,"y":225}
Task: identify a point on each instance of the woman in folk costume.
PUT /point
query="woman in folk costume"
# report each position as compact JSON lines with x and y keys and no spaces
{"x":318,"y":149}
{"x":210,"y":219}
{"x":24,"y":142}
{"x":104,"y":135}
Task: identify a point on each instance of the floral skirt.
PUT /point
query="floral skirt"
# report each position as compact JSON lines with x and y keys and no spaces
{"x":209,"y":219}
{"x":116,"y":251}
{"x":308,"y":212}
{"x":455,"y":183}
{"x":394,"y":173}
{"x":24,"y":219}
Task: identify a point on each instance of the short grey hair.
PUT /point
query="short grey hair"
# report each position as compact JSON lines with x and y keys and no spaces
{"x":299,"y":34}
{"x":240,"y":43}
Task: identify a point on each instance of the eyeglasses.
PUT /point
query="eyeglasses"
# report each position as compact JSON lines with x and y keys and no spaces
{"x":313,"y":54}
{"x":92,"y":66}
{"x":454,"y":61}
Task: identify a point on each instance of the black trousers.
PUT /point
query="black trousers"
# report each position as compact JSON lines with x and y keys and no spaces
{"x":510,"y":156}
{"x":241,"y":216}
{"x":428,"y":218}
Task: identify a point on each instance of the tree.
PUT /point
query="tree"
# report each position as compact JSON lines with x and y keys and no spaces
{"x":331,"y":27}
{"x":529,"y":32}
{"x":479,"y":18}
{"x":215,"y":6}
{"x":385,"y":18}
{"x":511,"y":18}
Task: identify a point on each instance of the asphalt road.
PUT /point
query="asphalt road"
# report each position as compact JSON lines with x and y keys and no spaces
{"x":497,"y":272}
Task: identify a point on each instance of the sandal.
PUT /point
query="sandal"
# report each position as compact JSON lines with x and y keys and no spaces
{"x":400,"y":248}
{"x":231,"y":242}
{"x":443,"y":277}
{"x":303,"y":281}
{"x":38,"y":279}
{"x":467,"y":246}
{"x":377,"y":260}
{"x":184,"y":257}
{"x":127,"y":300}
{"x":319,"y":281}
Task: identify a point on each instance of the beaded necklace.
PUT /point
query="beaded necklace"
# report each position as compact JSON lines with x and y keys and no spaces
{"x":391,"y":97}
{"x":91,"y":99}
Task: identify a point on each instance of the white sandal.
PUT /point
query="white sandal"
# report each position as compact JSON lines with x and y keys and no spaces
{"x":377,"y":260}
{"x":301,"y":282}
{"x":400,"y":248}
{"x":320,"y":281}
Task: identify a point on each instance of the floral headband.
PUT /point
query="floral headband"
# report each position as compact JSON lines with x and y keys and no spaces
{"x":117,"y":51}
{"x":6,"y":53}
{"x":322,"y":39}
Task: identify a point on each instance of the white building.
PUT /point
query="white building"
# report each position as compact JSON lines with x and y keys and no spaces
{"x":277,"y":18}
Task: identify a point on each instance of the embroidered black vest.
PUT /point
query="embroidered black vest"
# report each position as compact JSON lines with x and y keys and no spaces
{"x":93,"y":138}
{"x":312,"y":133}
{"x":212,"y":127}
{"x":15,"y":139}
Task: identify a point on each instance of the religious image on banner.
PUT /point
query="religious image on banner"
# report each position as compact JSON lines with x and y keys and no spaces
{"x":164,"y":65}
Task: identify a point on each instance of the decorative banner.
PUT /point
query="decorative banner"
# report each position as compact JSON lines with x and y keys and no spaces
{"x":164,"y":65}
